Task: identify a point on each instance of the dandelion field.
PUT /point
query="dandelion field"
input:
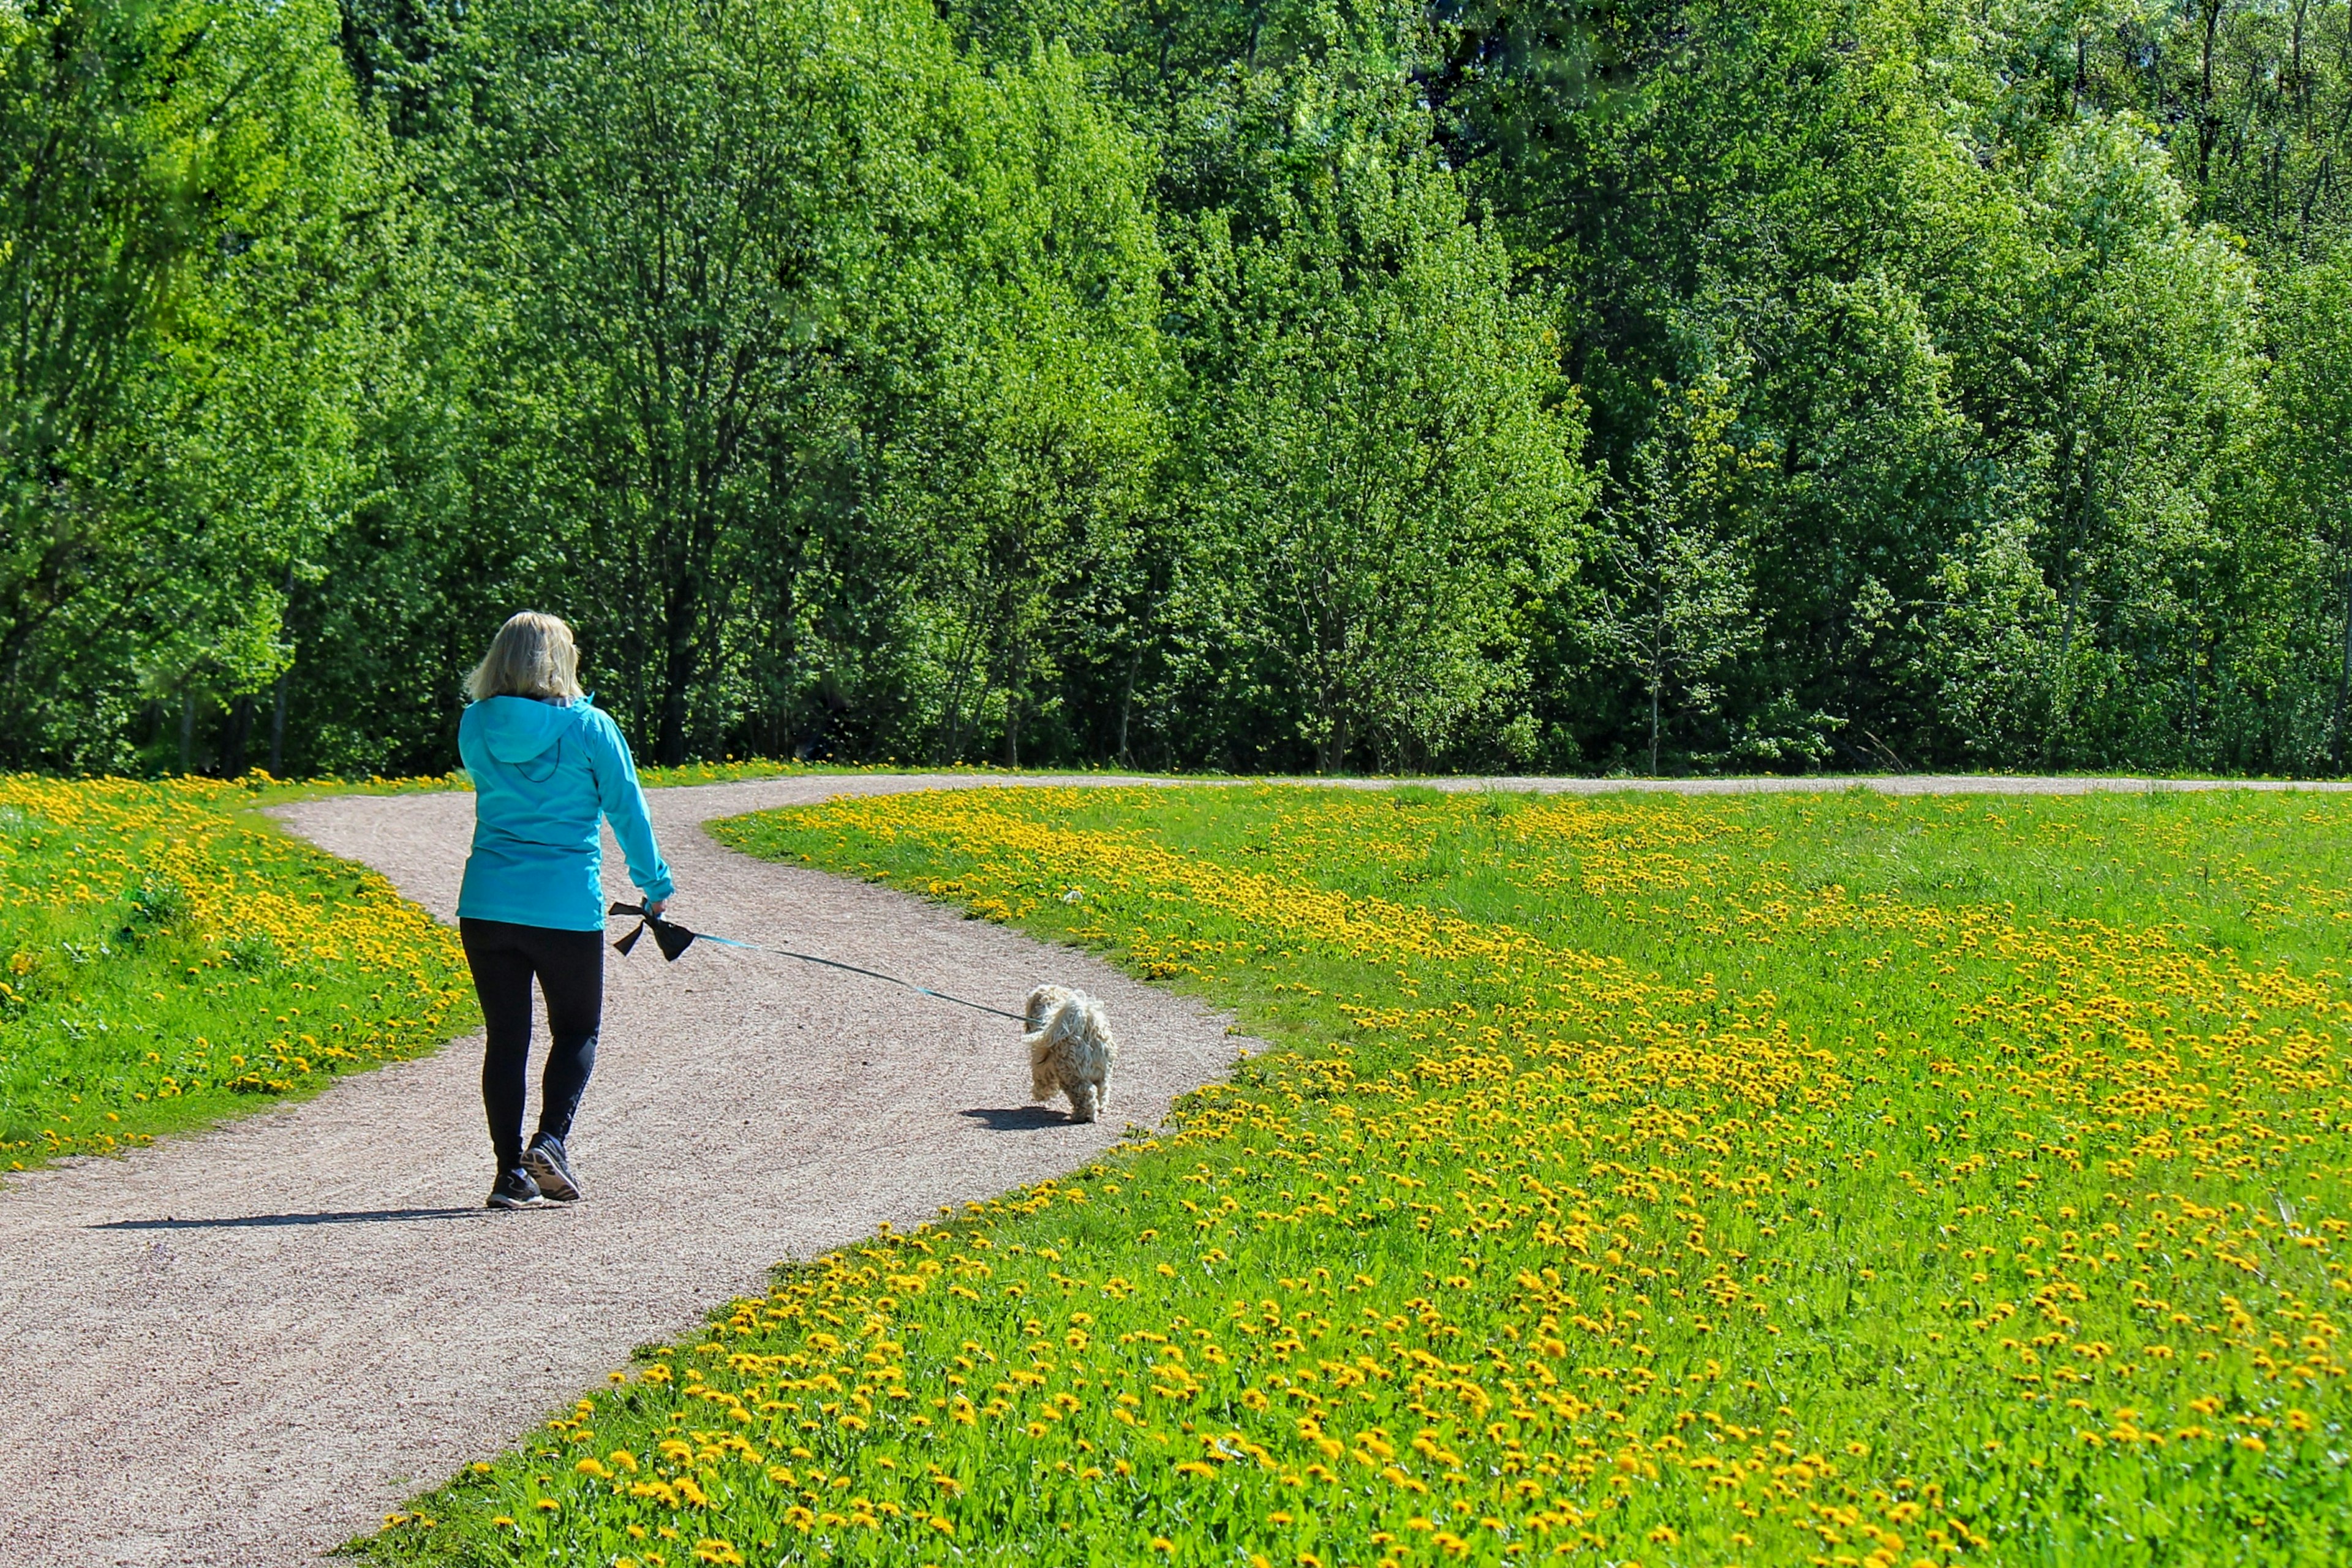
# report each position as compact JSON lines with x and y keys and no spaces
{"x":164,"y":962}
{"x":1821,"y":1180}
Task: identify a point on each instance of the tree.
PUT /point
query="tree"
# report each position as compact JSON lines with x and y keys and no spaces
{"x":1020,"y":450}
{"x":2134,"y":341}
{"x":2311,"y":392}
{"x":797,"y":298}
{"x":174,"y":366}
{"x":1208,"y":386}
{"x":1385,"y":457}
{"x":675,"y":202}
{"x":1677,"y":597}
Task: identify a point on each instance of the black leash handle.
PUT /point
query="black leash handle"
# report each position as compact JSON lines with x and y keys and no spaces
{"x":668,"y":935}
{"x":674,"y":939}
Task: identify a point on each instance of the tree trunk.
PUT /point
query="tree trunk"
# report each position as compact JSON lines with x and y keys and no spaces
{"x":669,"y":748}
{"x":2061,"y":696}
{"x":1125,"y":708}
{"x":187,"y":729}
{"x":2059,"y":686}
{"x":278,"y":726}
{"x":2343,"y":673}
{"x":1653,"y":727}
{"x":678,"y":663}
{"x":237,"y":737}
{"x":2196,"y":651}
{"x":2208,"y":124}
{"x":963,"y":665}
{"x":1015,"y":687}
{"x":1331,"y":751}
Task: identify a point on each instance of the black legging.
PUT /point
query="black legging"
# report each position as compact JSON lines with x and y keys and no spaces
{"x":571,"y":969}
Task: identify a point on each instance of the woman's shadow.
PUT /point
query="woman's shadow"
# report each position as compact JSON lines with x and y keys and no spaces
{"x":332,"y":1216}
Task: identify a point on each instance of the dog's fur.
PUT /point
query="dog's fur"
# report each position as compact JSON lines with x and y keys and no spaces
{"x":1070,"y":1049}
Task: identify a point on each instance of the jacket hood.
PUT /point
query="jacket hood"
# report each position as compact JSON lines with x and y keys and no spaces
{"x":517,"y":729}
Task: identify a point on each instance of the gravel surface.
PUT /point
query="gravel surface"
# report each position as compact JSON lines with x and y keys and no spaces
{"x":245,"y":1347}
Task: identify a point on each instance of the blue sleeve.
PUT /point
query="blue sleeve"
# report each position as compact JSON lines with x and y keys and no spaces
{"x":623,"y":805}
{"x":469,"y":743}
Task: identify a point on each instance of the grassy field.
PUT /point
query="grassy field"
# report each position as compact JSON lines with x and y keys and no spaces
{"x":167,"y":957}
{"x":167,"y":960}
{"x":260,"y":789}
{"x":1787,"y":1180}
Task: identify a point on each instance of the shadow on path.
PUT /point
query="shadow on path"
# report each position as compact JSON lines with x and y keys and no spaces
{"x":1019,"y":1121}
{"x":246,"y":1222}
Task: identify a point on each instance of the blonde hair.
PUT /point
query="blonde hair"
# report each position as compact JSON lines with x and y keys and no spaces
{"x":533,"y":655}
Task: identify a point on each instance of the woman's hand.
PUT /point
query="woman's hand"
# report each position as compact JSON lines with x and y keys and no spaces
{"x":654,"y":906}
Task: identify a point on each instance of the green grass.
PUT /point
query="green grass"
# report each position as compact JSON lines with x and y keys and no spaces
{"x":1776,"y":1180}
{"x":167,"y":960}
{"x":168,"y":957}
{"x":260,"y":790}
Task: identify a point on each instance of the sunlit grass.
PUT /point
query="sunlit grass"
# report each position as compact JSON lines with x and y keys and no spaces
{"x":167,"y":960}
{"x":1763,"y":1180}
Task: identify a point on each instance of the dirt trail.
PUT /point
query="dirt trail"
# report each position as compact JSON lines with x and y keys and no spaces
{"x":245,"y":1347}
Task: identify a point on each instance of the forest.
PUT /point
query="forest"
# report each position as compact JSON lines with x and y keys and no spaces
{"x":1248,"y":385}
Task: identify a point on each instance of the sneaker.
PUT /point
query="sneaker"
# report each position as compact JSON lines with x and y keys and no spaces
{"x":515,"y":1190}
{"x":544,"y":1161}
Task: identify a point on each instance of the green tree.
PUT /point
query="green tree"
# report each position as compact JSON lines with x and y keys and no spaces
{"x":1677,"y":598}
{"x":2135,"y":377}
{"x":1783,"y":197}
{"x":175,"y":367}
{"x":801,"y":304}
{"x":2311,"y":392}
{"x":1018,"y":465}
{"x":1385,"y":455}
{"x":2253,"y":101}
{"x":671,"y":198}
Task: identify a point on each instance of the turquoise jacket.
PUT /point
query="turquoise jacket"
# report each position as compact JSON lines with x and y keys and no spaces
{"x":542,"y":774}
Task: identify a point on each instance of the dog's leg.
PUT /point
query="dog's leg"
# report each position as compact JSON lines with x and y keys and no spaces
{"x":1085,"y":1098}
{"x":1043,"y":1079}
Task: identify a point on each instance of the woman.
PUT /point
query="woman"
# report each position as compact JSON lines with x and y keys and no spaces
{"x":546,"y":764}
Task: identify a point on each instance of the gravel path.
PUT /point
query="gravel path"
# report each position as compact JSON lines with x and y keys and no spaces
{"x":245,"y":1347}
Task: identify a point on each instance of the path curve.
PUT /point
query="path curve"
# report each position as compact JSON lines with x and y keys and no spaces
{"x":245,"y":1347}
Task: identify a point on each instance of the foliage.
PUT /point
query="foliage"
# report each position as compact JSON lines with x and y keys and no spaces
{"x":1680,"y":603}
{"x":170,"y":962}
{"x":2136,"y":326}
{"x":1386,"y":461}
{"x":1273,"y":386}
{"x":1653,"y":1180}
{"x":2312,"y":404}
{"x":1974,"y":344}
{"x":1023,"y":475}
{"x":789,"y":321}
{"x":175,"y":240}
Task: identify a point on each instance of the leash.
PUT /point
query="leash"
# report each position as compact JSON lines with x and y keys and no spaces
{"x":674,"y":939}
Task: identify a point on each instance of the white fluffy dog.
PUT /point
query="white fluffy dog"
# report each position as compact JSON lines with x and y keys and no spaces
{"x":1070,"y":1048}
